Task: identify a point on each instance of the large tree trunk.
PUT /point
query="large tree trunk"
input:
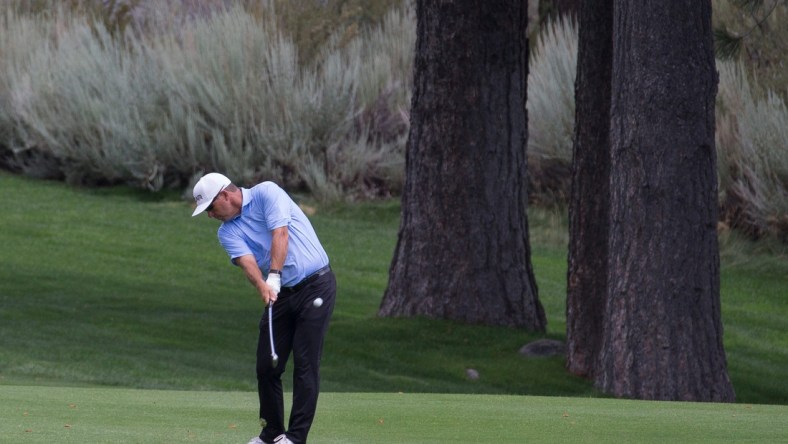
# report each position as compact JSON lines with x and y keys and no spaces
{"x":663,"y":338}
{"x":463,"y":251}
{"x":589,"y":200}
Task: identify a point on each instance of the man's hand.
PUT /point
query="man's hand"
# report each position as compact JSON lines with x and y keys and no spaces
{"x":268,"y":296}
{"x":274,"y":283}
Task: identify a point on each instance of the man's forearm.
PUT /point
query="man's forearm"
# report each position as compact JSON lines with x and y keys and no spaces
{"x":279,"y":239}
{"x":249,"y":265}
{"x":251,"y":270}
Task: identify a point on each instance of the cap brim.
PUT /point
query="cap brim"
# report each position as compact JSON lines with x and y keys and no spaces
{"x":201,"y":208}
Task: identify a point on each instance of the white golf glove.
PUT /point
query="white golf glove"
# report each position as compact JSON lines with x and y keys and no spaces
{"x":274,"y":281}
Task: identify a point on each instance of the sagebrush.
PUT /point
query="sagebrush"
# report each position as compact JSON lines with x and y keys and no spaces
{"x":123,"y":92}
{"x":223,"y":91}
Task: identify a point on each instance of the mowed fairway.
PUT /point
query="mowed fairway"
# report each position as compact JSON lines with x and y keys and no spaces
{"x":106,"y":415}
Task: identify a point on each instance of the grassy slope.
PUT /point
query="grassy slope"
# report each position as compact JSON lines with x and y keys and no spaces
{"x":113,"y":287}
{"x":755,"y":305}
{"x":79,"y":415}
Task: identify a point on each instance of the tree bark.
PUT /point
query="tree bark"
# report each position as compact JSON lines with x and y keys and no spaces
{"x":663,"y":335}
{"x":463,"y":251}
{"x":589,"y":199}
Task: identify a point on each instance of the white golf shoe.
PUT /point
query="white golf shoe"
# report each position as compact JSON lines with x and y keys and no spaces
{"x":282,"y":439}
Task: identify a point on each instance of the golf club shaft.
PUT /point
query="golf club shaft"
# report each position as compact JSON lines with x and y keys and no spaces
{"x":274,"y":357}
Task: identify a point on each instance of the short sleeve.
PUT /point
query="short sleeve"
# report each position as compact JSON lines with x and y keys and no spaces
{"x":233,"y":244}
{"x":275,"y":203}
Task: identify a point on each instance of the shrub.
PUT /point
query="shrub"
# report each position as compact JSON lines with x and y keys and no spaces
{"x":85,"y":100}
{"x":222,"y":91}
{"x":19,"y":39}
{"x":551,"y":112}
{"x":551,"y":92}
{"x":112,"y":92}
{"x":752,"y":135}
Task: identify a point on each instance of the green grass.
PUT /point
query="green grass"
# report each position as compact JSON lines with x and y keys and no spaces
{"x":80,"y":415}
{"x":113,"y":287}
{"x":121,"y":288}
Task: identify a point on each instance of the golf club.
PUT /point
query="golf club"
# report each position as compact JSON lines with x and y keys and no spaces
{"x":274,"y":357}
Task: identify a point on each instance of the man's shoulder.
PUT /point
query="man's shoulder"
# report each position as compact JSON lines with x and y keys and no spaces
{"x":267,"y":191}
{"x":267,"y":185}
{"x":262,"y":189}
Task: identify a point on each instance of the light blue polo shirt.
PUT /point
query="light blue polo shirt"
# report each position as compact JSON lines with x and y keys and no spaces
{"x":265,"y":207}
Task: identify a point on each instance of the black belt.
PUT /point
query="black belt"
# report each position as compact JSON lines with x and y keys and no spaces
{"x":307,"y":280}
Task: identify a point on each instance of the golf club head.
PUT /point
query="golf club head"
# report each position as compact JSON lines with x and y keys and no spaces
{"x":274,"y":360}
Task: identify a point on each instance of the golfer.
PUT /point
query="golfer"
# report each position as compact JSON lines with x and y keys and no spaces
{"x":268,"y":236}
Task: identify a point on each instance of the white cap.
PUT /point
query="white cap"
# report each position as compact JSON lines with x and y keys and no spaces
{"x":206,"y":189}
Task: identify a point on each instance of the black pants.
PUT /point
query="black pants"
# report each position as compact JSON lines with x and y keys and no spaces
{"x":299,"y":327}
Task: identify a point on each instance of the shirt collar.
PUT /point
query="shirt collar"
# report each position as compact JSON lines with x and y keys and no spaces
{"x":247,"y":197}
